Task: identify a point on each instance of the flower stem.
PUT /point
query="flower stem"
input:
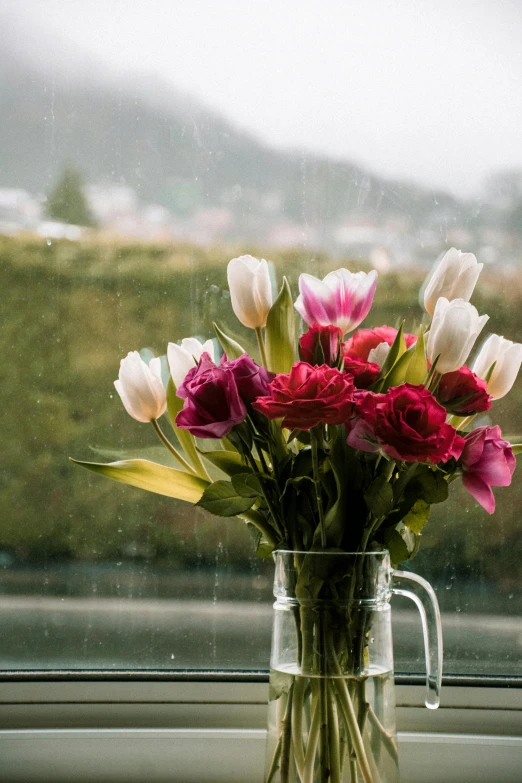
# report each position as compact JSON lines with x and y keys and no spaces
{"x":261,"y":344}
{"x":317,"y":483}
{"x":175,"y":453}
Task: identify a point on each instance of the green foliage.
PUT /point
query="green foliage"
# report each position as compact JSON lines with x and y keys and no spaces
{"x":280,"y":332}
{"x":223,"y":499}
{"x":67,"y":202}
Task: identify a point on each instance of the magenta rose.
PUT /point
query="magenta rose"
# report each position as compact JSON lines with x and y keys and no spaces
{"x":321,"y":345}
{"x":487,"y":461}
{"x":363,"y":340}
{"x":251,"y":379}
{"x":407,"y":423}
{"x":463,"y":393}
{"x":213,"y":404}
{"x":364,"y":373}
{"x":307,"y":396}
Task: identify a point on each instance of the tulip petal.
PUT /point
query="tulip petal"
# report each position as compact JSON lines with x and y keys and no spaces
{"x":180,"y":362}
{"x":480,"y":491}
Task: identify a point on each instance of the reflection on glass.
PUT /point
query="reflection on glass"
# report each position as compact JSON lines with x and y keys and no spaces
{"x":121,"y":200}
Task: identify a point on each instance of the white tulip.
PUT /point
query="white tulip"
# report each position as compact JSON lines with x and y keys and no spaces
{"x":250,"y":290}
{"x":184,"y":357}
{"x":454,"y":329}
{"x":379,"y":355}
{"x":507,"y":357}
{"x":454,"y":277}
{"x":141,"y":388}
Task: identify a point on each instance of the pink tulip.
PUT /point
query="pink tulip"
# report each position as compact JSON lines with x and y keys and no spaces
{"x":342,"y":299}
{"x":487,"y":461}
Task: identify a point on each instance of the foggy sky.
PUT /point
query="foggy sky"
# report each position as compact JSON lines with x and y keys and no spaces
{"x":429,"y":91}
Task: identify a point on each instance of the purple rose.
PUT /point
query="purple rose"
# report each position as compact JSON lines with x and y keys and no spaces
{"x":213,"y":404}
{"x":487,"y":461}
{"x":251,"y":379}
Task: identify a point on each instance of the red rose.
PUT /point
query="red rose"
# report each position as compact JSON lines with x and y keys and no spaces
{"x":321,"y":345}
{"x":487,"y":461}
{"x":363,"y":340}
{"x":307,"y":396}
{"x":407,"y":423}
{"x":364,"y":373}
{"x":463,"y":393}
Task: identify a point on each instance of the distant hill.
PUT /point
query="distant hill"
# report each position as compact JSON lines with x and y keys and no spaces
{"x":178,"y":153}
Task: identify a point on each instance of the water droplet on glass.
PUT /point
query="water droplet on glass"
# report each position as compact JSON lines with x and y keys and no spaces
{"x":49,"y":242}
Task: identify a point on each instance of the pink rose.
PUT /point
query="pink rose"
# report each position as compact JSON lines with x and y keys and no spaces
{"x":321,"y":345}
{"x":364,"y":373}
{"x":213,"y":404}
{"x":463,"y":393}
{"x":407,"y":423}
{"x":363,"y":340}
{"x":487,"y":461}
{"x":307,"y":396}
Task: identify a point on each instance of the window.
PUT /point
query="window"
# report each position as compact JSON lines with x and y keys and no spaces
{"x":140,"y":149}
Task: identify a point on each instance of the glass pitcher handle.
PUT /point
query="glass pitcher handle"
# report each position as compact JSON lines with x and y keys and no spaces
{"x":421,"y":592}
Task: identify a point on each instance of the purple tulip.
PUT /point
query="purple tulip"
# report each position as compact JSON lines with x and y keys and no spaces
{"x":213,"y":404}
{"x":342,"y":299}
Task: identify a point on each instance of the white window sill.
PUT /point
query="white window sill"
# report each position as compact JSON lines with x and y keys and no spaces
{"x":213,"y":732}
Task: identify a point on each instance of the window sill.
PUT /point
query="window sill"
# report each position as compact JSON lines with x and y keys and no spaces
{"x":109,"y":731}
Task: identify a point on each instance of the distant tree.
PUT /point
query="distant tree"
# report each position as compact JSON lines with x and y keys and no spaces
{"x":67,"y":202}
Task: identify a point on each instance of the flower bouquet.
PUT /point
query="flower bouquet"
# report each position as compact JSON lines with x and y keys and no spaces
{"x":332,"y":449}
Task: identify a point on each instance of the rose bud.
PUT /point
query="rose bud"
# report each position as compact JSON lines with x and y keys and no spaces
{"x":454,"y":328}
{"x":141,"y":388}
{"x":364,"y":340}
{"x":487,"y":461}
{"x":184,"y":357}
{"x":250,"y":290}
{"x":341,"y":299}
{"x":507,"y":357}
{"x":463,"y":393}
{"x":212,"y":401}
{"x":454,"y":277}
{"x":364,"y":373}
{"x":321,"y":345}
{"x":307,"y":396}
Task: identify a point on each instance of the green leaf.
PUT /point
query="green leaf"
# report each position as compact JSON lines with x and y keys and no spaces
{"x":401,"y":543}
{"x":397,"y":374}
{"x":221,"y":498}
{"x":434,"y":486}
{"x":232,"y":349}
{"x":148,"y":475}
{"x":396,"y":351}
{"x":418,"y":366}
{"x":516,"y":448}
{"x":417,"y":517}
{"x":230,"y":462}
{"x":379,"y":497}
{"x":280,"y":332}
{"x":247,"y":485}
{"x":186,"y":440}
{"x":280,"y":682}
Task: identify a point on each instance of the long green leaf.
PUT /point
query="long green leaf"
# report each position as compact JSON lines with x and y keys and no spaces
{"x":280,"y":332}
{"x":418,"y":366}
{"x":397,"y":349}
{"x":148,"y":475}
{"x":232,"y":349}
{"x":186,"y":440}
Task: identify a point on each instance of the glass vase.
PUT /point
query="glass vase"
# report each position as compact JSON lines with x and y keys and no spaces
{"x":332,"y":701}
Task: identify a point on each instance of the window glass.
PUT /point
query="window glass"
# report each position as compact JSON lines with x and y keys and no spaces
{"x":142,"y":148}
